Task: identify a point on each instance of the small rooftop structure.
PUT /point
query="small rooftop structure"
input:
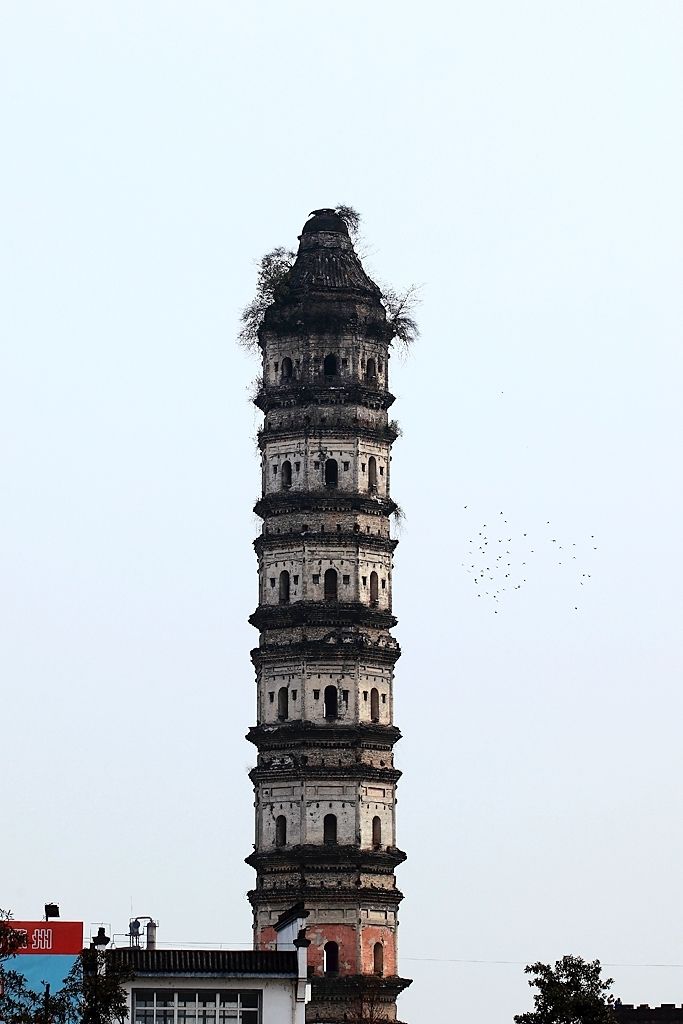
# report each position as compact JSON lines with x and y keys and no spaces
{"x":245,"y":986}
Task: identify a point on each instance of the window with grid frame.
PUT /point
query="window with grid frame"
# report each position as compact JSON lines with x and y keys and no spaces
{"x":185,"y":1006}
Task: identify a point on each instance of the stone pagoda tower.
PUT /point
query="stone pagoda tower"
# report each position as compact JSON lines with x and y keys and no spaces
{"x":325,"y":781}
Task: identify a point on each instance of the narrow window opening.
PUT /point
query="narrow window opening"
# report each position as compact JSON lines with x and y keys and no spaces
{"x":284,"y":587}
{"x":376,"y":832}
{"x":330,"y":365}
{"x":331,"y":702}
{"x":286,"y":368}
{"x":331,"y":958}
{"x":378,"y":958}
{"x":374,"y":704}
{"x":330,"y":828}
{"x":271,"y":695}
{"x":370,"y":370}
{"x":280,"y":830}
{"x":372,"y":473}
{"x":316,"y":695}
{"x":316,"y":579}
{"x":331,"y":473}
{"x":330,"y":584}
{"x":283,"y":704}
{"x":346,"y":580}
{"x":374,"y":590}
{"x":346,"y":466}
{"x":286,"y":475}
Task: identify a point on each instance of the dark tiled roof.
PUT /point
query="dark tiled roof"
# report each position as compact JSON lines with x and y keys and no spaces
{"x":329,"y":269}
{"x":206,"y":961}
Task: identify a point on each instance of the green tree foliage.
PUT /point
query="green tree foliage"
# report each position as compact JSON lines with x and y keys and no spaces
{"x":400,"y":307}
{"x":10,"y":939}
{"x":92,"y":992}
{"x":271,"y":275}
{"x":571,"y":992}
{"x":18,"y":1003}
{"x":350,"y":217}
{"x":367,"y":1007}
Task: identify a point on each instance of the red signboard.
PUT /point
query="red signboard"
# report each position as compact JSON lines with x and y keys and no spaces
{"x":45,"y":937}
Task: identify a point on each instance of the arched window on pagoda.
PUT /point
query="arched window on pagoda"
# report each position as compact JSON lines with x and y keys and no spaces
{"x":286,"y":475}
{"x":376,"y":832}
{"x":374,"y":589}
{"x":331,"y":473}
{"x":283,"y":592}
{"x":331,"y":702}
{"x":330,"y":828}
{"x":378,"y":958}
{"x":330,"y":585}
{"x":331,"y":958}
{"x":372,"y":474}
{"x":283,"y":703}
{"x":280,"y":830}
{"x":286,"y":368}
{"x":374,"y":704}
{"x":330,"y":365}
{"x":371,"y":371}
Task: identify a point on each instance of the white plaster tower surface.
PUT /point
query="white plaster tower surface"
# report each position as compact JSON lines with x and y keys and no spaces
{"x":325,"y":781}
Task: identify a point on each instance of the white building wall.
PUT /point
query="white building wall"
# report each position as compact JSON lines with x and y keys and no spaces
{"x":278,"y":995}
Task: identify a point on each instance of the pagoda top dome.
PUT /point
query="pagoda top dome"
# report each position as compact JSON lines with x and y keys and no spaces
{"x":326,"y":288}
{"x":325,"y":220}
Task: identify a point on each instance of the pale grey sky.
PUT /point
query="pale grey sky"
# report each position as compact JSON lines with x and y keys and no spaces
{"x":524,"y":161}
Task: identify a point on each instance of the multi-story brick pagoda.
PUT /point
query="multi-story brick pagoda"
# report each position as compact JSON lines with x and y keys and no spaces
{"x":325,"y":781}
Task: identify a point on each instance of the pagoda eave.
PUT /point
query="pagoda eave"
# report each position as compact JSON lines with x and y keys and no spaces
{"x":321,"y":613}
{"x":351,"y":539}
{"x":300,"y":734}
{"x":331,"y":500}
{"x":358,"y":772}
{"x":339,"y":645}
{"x":293,"y":393}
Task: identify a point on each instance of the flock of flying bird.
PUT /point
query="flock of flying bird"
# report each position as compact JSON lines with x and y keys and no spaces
{"x":500,"y":561}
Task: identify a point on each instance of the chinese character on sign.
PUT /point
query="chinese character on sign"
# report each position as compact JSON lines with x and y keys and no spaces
{"x":24,"y":937}
{"x":42,"y":938}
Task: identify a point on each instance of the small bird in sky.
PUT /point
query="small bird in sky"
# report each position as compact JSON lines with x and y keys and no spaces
{"x":513,"y":557}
